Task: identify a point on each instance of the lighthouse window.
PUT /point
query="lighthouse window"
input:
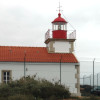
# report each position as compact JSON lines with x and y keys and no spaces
{"x":55,"y":27}
{"x":59,"y":26}
{"x":62,"y":27}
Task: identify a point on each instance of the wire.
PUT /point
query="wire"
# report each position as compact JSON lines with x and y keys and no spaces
{"x":68,"y":21}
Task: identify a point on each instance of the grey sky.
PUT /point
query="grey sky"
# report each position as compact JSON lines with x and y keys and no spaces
{"x":24,"y":23}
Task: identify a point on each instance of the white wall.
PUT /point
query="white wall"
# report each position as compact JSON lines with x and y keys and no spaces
{"x":49,"y":71}
{"x":62,"y":46}
{"x":17,"y":69}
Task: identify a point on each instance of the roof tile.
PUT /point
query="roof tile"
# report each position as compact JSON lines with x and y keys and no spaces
{"x":33,"y":54}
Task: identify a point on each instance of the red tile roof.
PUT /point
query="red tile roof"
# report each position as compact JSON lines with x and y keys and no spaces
{"x":33,"y":54}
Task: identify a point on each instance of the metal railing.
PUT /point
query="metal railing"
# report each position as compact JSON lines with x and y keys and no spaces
{"x":71,"y":34}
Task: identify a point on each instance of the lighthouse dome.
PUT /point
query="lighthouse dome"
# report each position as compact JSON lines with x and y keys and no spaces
{"x":59,"y":19}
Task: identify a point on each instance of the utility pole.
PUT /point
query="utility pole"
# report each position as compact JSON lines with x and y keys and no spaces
{"x":93,"y":73}
{"x":90,"y":80}
{"x":97,"y":80}
{"x":83,"y":80}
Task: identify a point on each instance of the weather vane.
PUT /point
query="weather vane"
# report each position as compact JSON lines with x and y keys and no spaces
{"x":59,"y":7}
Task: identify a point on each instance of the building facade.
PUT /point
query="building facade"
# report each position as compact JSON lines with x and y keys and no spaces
{"x":56,"y":62}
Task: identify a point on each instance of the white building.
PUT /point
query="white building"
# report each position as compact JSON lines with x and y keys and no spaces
{"x":55,"y":62}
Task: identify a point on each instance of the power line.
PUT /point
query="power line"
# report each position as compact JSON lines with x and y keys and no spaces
{"x":68,"y":21}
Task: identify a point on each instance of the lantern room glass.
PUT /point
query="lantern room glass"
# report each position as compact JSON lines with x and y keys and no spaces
{"x":59,"y":26}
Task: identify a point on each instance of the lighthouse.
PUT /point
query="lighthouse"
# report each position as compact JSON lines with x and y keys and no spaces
{"x":59,"y":28}
{"x":58,"y":40}
{"x":56,"y":62}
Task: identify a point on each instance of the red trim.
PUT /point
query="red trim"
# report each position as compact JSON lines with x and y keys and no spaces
{"x":59,"y":34}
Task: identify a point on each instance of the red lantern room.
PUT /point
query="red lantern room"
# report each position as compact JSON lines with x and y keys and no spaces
{"x":59,"y":27}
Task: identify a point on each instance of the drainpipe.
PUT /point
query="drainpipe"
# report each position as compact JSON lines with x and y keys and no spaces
{"x":60,"y":69}
{"x":24,"y":64}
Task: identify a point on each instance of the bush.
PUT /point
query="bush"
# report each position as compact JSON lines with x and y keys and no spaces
{"x":36,"y":88}
{"x":5,"y":90}
{"x":18,"y":97}
{"x":21,"y":97}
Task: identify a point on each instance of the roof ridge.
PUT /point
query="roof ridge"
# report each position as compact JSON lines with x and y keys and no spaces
{"x":22,"y":47}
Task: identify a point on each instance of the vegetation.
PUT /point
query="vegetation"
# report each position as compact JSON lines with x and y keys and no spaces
{"x":31,"y":89}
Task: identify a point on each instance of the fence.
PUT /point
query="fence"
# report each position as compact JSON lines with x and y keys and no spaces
{"x":88,"y":80}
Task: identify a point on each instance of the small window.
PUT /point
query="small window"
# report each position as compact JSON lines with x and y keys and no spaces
{"x":6,"y":76}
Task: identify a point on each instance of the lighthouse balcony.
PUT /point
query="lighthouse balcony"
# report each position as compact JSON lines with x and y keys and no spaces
{"x":71,"y":34}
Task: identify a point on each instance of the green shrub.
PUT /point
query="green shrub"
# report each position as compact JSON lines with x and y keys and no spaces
{"x":36,"y":88}
{"x":3,"y":98}
{"x":5,"y":90}
{"x":21,"y":97}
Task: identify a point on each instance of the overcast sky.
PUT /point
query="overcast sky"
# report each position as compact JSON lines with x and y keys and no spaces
{"x":25,"y":22}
